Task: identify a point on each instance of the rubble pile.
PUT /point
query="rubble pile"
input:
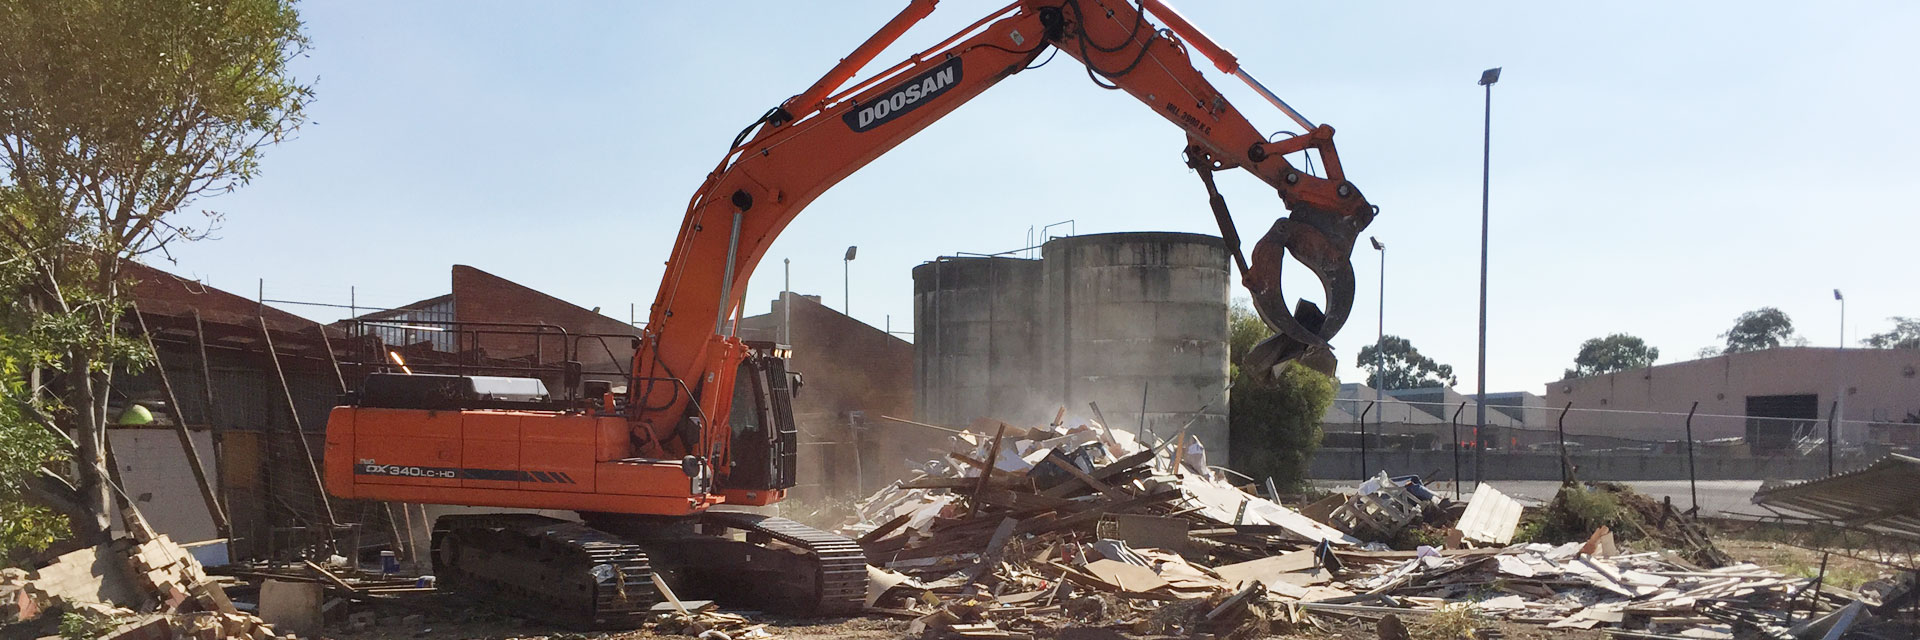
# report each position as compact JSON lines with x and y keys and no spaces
{"x":1021,"y":532}
{"x":702,"y":621}
{"x":1075,"y":526}
{"x":1664,"y":525}
{"x":123,"y":589}
{"x":1583,"y":586}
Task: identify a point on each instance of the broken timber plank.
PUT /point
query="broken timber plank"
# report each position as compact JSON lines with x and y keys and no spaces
{"x":1084,"y":477}
{"x":995,"y":546}
{"x":667,"y":592}
{"x":986,"y":471}
{"x":1092,"y":514}
{"x":329,"y":578}
{"x":221,"y":526}
{"x":1103,"y":474}
{"x":884,"y":529}
{"x":1021,"y":501}
{"x":1000,"y":480}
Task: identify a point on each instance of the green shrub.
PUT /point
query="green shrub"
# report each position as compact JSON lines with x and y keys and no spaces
{"x":1574,"y":514}
{"x":1453,"y":621}
{"x":1274,"y":427}
{"x":86,"y":625}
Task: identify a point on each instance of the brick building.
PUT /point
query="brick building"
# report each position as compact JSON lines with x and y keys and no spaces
{"x":504,"y":321}
{"x":854,"y":373}
{"x":219,"y":353}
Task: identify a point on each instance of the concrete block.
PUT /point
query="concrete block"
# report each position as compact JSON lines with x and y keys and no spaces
{"x":88,"y":575}
{"x":292,"y":606}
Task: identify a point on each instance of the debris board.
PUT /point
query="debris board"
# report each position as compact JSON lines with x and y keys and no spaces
{"x":1491,"y":517}
{"x":1268,"y":570}
{"x":1126,"y":577}
{"x":1150,"y":531}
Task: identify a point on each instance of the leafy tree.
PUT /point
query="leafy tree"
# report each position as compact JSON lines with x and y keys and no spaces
{"x":1244,"y":329}
{"x":24,"y":448}
{"x":1273,"y":425}
{"x":1405,"y":367}
{"x":114,"y":116}
{"x":1763,"y":328}
{"x":1617,"y":352}
{"x":1904,"y":335}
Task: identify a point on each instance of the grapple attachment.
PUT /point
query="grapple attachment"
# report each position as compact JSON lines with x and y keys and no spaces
{"x":1322,"y":240}
{"x":1326,"y":216}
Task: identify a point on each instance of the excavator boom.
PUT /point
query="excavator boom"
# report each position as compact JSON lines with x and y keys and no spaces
{"x":798,"y":150}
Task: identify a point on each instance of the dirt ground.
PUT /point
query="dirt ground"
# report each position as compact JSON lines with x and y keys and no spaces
{"x":1792,"y":550}
{"x":1842,"y":572}
{"x":884,"y":629}
{"x":448,"y":618}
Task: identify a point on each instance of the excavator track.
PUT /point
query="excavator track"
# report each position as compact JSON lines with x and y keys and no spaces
{"x":841,"y":580}
{"x":598,"y":575}
{"x":563,"y":572}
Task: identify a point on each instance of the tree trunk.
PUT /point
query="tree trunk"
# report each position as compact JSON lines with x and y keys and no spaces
{"x":88,"y":393}
{"x":53,"y":492}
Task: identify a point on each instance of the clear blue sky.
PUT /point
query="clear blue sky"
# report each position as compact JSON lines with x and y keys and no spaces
{"x":1658,"y":168}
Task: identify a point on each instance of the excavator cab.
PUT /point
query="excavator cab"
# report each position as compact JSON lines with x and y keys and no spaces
{"x":762,"y":439}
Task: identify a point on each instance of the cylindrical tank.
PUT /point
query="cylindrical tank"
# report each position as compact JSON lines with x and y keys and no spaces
{"x":1127,"y":314}
{"x":976,"y":342}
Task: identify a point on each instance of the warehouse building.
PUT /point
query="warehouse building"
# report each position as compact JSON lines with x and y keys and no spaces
{"x":1776,"y":400}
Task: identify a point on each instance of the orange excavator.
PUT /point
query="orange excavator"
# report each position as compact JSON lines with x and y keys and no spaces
{"x":705,"y":419}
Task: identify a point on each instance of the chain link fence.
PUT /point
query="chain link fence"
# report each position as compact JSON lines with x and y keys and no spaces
{"x":1364,"y":436}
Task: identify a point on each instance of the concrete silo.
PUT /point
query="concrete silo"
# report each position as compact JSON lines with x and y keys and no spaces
{"x":976,"y":342}
{"x":1130,"y":313}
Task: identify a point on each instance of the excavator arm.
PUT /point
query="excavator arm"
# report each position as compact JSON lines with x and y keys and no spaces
{"x":707,"y":418}
{"x":684,"y":370}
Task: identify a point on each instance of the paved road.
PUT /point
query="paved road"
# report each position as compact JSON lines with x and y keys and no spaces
{"x":1717,"y":497}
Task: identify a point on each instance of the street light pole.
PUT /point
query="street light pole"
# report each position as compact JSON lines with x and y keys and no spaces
{"x":1487,"y":78}
{"x":1379,"y":353}
{"x":846,"y":282}
{"x":1843,"y":317}
{"x":1839,"y":392}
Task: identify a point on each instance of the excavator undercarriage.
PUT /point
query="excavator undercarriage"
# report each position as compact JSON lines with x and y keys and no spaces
{"x":598,"y":574}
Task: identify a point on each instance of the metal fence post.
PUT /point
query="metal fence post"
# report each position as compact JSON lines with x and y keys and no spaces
{"x":1363,"y":439}
{"x":1833,"y":413}
{"x":1566,"y":463}
{"x":1693,"y":480}
{"x":1456,"y":449}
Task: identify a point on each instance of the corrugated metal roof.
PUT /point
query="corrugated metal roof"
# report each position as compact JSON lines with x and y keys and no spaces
{"x":1883,"y":498}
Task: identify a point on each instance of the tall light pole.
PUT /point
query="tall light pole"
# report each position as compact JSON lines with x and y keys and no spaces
{"x":1843,"y":317}
{"x":846,"y":282}
{"x":1379,"y":352}
{"x":1839,"y":392}
{"x":1487,"y":78}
